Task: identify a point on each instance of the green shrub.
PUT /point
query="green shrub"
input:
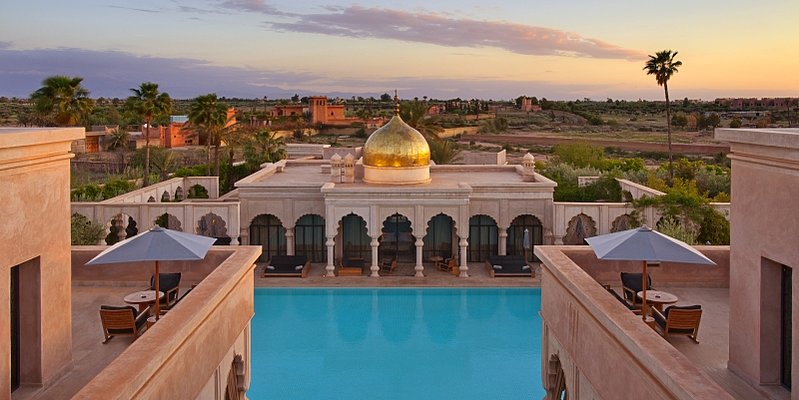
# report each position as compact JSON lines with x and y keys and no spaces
{"x":85,"y":231}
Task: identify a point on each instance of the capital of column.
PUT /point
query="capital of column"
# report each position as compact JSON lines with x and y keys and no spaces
{"x":503,"y":233}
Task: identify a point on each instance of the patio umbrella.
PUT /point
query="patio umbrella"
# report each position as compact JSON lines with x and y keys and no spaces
{"x":526,"y":243}
{"x":644,"y":244}
{"x":156,"y":244}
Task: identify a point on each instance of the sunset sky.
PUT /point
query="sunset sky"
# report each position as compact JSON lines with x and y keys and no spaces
{"x":441,"y":49}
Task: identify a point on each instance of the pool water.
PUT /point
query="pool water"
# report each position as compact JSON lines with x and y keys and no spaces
{"x":396,"y":343}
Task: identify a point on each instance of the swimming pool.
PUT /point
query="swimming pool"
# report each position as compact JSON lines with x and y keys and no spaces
{"x":396,"y":343}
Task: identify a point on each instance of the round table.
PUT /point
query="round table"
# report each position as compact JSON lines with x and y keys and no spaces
{"x":142,"y":298}
{"x":658,"y":298}
{"x":436,"y":259}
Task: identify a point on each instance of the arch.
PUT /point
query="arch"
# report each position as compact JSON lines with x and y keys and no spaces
{"x":151,"y":199}
{"x":439,"y":238}
{"x":214,"y":226}
{"x":622,"y":223}
{"x":179,"y":194}
{"x":267,"y":230}
{"x":197,"y":192}
{"x":165,"y":198}
{"x":396,"y":240}
{"x":555,"y":384}
{"x":581,"y":226}
{"x":535,"y":232}
{"x":355,"y":240}
{"x":483,"y":237}
{"x":309,"y":238}
{"x":121,"y":226}
{"x":169,"y":221}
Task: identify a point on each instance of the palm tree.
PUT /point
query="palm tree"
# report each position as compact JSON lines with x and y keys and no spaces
{"x":264,"y":146}
{"x":119,"y":139}
{"x":663,"y":66}
{"x":444,"y":151}
{"x":63,"y":99}
{"x":414,"y":114}
{"x":148,"y":104}
{"x":208,"y":116}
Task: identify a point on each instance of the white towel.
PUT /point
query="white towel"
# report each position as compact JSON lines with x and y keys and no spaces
{"x":497,"y":267}
{"x":270,"y":267}
{"x":525,"y":268}
{"x":298,"y":268}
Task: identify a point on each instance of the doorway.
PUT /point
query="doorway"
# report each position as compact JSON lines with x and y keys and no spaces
{"x":14,"y":328}
{"x":786,"y":326}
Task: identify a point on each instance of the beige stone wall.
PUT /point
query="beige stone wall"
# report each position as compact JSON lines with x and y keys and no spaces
{"x":765,"y":188}
{"x":34,"y":208}
{"x":188,"y":353}
{"x":604,"y":350}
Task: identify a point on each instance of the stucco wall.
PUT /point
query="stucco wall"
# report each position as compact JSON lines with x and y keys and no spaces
{"x":765,"y":188}
{"x":188,"y":353}
{"x":34,"y":208}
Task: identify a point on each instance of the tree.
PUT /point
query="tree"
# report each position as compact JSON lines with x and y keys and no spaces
{"x":63,"y":100}
{"x":208,"y":116}
{"x":118,"y":142}
{"x":735,"y":123}
{"x":85,"y":231}
{"x":444,"y":151}
{"x":148,"y":103}
{"x":414,"y":114}
{"x":663,"y":65}
{"x":264,"y":146}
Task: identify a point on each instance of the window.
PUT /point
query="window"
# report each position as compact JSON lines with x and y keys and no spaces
{"x":267,"y":231}
{"x":309,"y":238}
{"x":483,"y":237}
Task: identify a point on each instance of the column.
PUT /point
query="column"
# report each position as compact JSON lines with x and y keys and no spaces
{"x":290,"y":241}
{"x":375,"y":268}
{"x":419,"y":268}
{"x":558,"y":239}
{"x":330,"y":268}
{"x":503,"y":241}
{"x":464,"y":243}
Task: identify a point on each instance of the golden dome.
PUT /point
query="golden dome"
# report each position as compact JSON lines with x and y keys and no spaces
{"x":397,"y":145}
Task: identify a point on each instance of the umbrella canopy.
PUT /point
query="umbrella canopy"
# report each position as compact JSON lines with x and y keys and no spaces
{"x":156,"y":244}
{"x":644,"y":244}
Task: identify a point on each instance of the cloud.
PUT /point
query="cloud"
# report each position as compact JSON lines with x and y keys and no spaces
{"x":134,"y":9}
{"x":258,"y":6}
{"x":112,"y":73}
{"x":439,"y":29}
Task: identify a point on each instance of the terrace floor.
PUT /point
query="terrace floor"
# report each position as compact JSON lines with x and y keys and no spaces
{"x":712,"y":351}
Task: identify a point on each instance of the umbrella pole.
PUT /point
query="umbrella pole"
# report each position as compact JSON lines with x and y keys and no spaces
{"x":643,"y":297}
{"x":157,"y":280}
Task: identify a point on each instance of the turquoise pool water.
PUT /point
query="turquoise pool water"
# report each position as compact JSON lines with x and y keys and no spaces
{"x":403,"y":343}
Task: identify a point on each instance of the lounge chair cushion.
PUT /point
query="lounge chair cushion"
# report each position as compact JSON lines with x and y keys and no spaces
{"x":669,"y":308}
{"x":633,"y":281}
{"x":131,"y":308}
{"x":167,"y":281}
{"x":286,"y":264}
{"x":509,"y":265}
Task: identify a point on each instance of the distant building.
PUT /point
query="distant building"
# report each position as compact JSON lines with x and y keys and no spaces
{"x":528,"y":106}
{"x":775,"y":103}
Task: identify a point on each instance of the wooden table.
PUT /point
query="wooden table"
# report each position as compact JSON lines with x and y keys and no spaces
{"x":143,"y":298}
{"x":658,"y":298}
{"x":436,"y":259}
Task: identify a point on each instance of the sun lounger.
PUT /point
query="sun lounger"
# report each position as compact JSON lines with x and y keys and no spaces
{"x":508,"y":266}
{"x":287,"y":266}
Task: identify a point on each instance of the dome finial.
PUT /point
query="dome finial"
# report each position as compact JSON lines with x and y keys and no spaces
{"x":396,"y":103}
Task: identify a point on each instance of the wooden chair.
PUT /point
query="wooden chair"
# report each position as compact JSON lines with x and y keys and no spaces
{"x":681,"y":320}
{"x":635,"y":309}
{"x":447,"y":265}
{"x":631,"y":285}
{"x":388,"y":267}
{"x":122,"y":320}
{"x":168,"y":283}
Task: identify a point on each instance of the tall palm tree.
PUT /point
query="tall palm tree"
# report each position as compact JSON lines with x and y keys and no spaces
{"x":63,"y":99}
{"x":663,"y":65}
{"x":208,"y":116}
{"x":148,"y":103}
